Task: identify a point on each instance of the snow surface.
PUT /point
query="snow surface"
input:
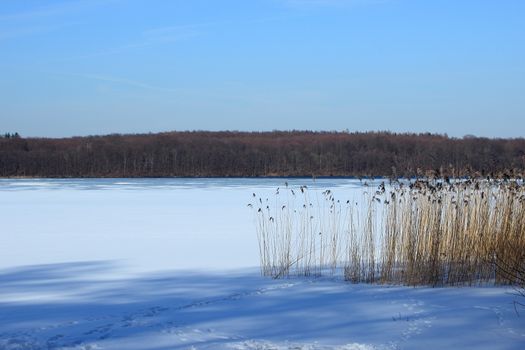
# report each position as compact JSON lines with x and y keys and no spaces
{"x":172,"y":264}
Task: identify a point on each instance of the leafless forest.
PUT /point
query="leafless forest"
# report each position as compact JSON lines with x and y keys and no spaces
{"x":278,"y":153}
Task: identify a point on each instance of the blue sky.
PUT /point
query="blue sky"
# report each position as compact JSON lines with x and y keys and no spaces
{"x":81,"y":67}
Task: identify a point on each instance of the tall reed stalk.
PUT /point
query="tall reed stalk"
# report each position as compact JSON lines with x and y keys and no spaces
{"x":416,"y":233}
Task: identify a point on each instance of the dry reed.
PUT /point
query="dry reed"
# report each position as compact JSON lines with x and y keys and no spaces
{"x":435,"y":233}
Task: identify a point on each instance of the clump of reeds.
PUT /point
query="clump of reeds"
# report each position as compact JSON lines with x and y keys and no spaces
{"x":299,"y":234}
{"x":416,"y":233}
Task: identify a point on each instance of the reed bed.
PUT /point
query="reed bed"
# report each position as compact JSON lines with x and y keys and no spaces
{"x":431,"y":232}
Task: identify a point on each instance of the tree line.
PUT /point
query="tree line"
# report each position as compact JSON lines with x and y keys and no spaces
{"x":277,"y":153}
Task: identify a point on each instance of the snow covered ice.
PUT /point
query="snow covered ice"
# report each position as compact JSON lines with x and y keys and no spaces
{"x":172,"y":264}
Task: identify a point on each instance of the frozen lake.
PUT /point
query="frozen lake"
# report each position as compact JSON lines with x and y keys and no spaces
{"x":139,"y":224}
{"x":162,"y":264}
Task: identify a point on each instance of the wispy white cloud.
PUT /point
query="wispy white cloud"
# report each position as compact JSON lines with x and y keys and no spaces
{"x":123,"y":81}
{"x":57,"y":9}
{"x":171,"y":34}
{"x":147,"y":38}
{"x":229,"y":91}
{"x":178,"y":32}
{"x":36,"y":13}
{"x":37,"y":20}
{"x":17,"y":32}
